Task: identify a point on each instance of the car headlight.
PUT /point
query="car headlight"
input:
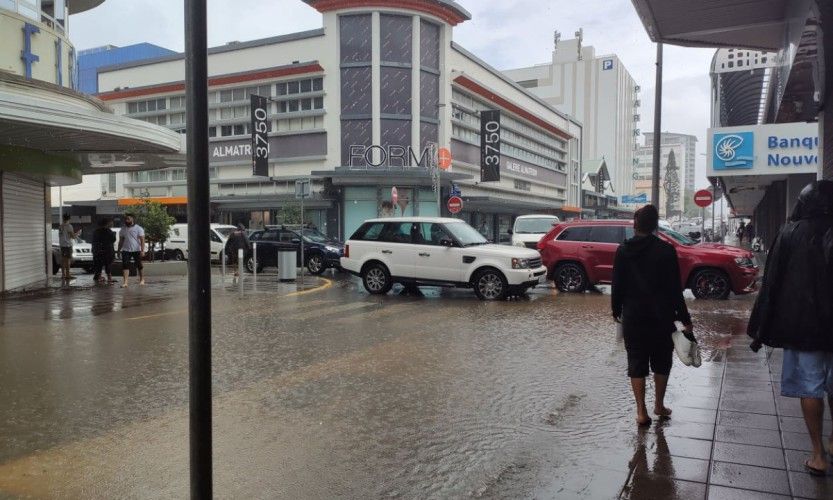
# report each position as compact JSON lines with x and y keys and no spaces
{"x":332,"y":249}
{"x":519,"y":244}
{"x":744,"y":262}
{"x":520,"y":263}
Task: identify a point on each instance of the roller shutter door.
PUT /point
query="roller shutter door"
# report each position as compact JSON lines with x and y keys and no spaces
{"x":24,"y":241}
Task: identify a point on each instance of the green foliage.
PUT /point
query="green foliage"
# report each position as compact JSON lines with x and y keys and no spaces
{"x":154,"y":219}
{"x":289,"y":214}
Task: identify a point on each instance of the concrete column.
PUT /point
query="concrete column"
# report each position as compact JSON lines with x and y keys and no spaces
{"x":416,"y":101}
{"x":826,"y":115}
{"x":376,"y":71}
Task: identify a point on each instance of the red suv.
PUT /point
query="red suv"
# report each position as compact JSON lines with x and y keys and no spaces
{"x":580,"y":254}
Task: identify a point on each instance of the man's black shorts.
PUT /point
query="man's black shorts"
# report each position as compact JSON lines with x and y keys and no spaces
{"x":131,"y":261}
{"x":654,"y":351}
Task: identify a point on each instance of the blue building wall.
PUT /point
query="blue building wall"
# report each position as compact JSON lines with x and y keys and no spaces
{"x":91,"y":59}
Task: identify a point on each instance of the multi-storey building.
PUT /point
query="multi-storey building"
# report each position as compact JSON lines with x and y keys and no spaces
{"x":52,"y":135}
{"x":679,"y":180}
{"x":600,"y":93}
{"x":354,"y":106}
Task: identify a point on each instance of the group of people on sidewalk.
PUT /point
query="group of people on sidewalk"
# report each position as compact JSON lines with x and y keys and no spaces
{"x":131,"y":245}
{"x":793,"y":311}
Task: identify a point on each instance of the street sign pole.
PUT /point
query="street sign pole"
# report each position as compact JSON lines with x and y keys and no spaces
{"x":655,"y":171}
{"x":302,"y":238}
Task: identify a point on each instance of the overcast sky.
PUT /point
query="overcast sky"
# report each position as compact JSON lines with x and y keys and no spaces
{"x":504,"y":33}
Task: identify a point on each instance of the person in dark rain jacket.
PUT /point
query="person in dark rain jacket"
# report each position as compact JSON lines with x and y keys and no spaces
{"x":647,"y":299}
{"x":794,"y":310}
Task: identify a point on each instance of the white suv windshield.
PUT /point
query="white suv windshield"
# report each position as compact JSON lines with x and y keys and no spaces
{"x":465,"y":234}
{"x":540,"y":225}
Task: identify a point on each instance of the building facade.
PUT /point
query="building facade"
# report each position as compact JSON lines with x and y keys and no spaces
{"x":678,"y":182}
{"x":52,"y":135}
{"x":601,"y":94}
{"x":90,"y":60}
{"x":355,"y":106}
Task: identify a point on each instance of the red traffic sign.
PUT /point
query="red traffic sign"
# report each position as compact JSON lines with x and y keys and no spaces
{"x":444,"y":158}
{"x":394,"y":195}
{"x":455,"y":204}
{"x":703,"y":198}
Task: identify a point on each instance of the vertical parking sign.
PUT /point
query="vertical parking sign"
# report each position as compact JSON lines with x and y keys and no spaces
{"x":260,"y":136}
{"x":490,"y":145}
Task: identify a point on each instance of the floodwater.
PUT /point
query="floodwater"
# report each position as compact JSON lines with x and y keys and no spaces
{"x":333,"y":393}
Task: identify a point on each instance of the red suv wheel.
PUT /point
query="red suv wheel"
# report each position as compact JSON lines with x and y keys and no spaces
{"x":570,"y":277}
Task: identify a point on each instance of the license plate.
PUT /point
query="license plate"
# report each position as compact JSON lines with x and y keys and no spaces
{"x":542,"y":280}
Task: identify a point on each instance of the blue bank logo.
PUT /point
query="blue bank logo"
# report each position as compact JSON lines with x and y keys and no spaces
{"x":734,"y":151}
{"x":607,"y":64}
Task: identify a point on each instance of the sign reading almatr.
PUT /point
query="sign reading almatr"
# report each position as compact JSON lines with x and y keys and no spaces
{"x":776,"y":149}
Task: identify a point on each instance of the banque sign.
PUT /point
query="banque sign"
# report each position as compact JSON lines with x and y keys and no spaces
{"x":776,"y":149}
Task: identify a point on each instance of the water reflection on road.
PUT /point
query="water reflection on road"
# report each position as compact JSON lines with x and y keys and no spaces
{"x":331,"y":394}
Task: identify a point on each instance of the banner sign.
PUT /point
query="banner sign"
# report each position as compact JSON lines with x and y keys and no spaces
{"x":771,"y":149}
{"x":490,"y":145}
{"x":633,"y":199}
{"x":260,"y":136}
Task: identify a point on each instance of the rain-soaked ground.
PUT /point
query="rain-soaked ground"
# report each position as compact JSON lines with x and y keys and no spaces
{"x":330,"y":393}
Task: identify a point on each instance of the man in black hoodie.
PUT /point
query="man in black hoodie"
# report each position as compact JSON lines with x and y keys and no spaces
{"x":794,"y":310}
{"x":647,"y":299}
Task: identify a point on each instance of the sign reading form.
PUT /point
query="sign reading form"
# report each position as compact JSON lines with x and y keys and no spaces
{"x":260,"y":136}
{"x":490,"y":146}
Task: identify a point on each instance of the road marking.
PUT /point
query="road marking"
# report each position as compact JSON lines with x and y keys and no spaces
{"x":327,"y":284}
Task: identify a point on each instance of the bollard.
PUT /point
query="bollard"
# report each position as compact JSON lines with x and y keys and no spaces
{"x":254,"y":261}
{"x":240,"y":258}
{"x":223,"y":261}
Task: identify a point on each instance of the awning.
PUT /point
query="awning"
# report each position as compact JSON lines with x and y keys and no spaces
{"x":569,"y":209}
{"x":48,"y":119}
{"x":491,"y":204}
{"x":162,"y":200}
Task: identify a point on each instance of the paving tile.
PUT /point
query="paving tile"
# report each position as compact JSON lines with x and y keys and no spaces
{"x":742,"y":435}
{"x":749,"y":455}
{"x":704,"y":382}
{"x":765,"y":408}
{"x":748,"y":375}
{"x":756,"y":385}
{"x":796,"y":459}
{"x":797,"y":441}
{"x":645,"y":486}
{"x":699,"y":415}
{"x":796,"y":424}
{"x":724,"y":493}
{"x":687,"y":469}
{"x":749,"y":420}
{"x":695,"y":402}
{"x":750,"y":478}
{"x":692,"y":430}
{"x":789,"y":410}
{"x":689,"y":448}
{"x":807,"y":486}
{"x":701,"y":392}
{"x":747,"y":395}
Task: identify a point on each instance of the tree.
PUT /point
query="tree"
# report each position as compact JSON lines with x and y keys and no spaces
{"x":289,"y":214}
{"x":155,"y":220}
{"x":672,"y":186}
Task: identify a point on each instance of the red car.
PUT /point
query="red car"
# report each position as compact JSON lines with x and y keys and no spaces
{"x":580,"y":254}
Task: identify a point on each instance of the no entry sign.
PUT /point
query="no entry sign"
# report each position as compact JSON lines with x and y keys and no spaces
{"x":703,"y":198}
{"x":455,"y":204}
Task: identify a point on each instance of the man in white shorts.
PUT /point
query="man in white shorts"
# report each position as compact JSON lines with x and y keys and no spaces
{"x":132,"y":248}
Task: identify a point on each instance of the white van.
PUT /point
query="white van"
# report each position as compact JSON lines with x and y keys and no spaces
{"x":529,"y":229}
{"x":177,"y":244}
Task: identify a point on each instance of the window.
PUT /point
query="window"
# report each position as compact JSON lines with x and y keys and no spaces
{"x":293,"y":106}
{"x":431,"y":234}
{"x":398,"y":232}
{"x":226,"y":96}
{"x":317,"y":84}
{"x":238,"y":94}
{"x":306,"y":104}
{"x":282,"y":88}
{"x":239,"y":130}
{"x":575,"y":234}
{"x":607,"y":234}
{"x":294,"y":87}
{"x":132,"y":107}
{"x":212,"y":131}
{"x":177,"y":102}
{"x":226,"y":130}
{"x":287,"y":236}
{"x":369,"y":232}
{"x":319,"y":103}
{"x":306,"y":85}
{"x":269,"y":236}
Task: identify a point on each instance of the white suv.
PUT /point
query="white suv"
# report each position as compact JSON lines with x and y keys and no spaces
{"x":437,"y":251}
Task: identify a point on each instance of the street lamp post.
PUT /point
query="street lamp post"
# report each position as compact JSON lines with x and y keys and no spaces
{"x":655,"y":173}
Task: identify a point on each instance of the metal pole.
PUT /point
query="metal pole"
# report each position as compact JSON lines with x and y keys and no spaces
{"x":223,"y":261}
{"x":254,"y":261}
{"x":240,"y":257}
{"x":714,"y":234}
{"x":199,"y":250}
{"x":655,"y":175}
{"x":303,"y":194}
{"x":60,"y":205}
{"x":722,"y":232}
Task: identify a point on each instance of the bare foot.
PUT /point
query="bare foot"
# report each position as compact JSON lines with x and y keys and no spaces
{"x":643,"y":421}
{"x":662,"y":412}
{"x":124,"y":285}
{"x":142,"y":283}
{"x":817,"y":466}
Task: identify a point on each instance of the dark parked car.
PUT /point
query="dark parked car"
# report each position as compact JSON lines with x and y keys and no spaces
{"x":320,"y":252}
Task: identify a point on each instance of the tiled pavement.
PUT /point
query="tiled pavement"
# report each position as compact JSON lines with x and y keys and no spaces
{"x":732,"y":437}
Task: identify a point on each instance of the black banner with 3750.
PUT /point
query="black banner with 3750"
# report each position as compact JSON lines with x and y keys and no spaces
{"x":490,"y":145}
{"x":260,"y":136}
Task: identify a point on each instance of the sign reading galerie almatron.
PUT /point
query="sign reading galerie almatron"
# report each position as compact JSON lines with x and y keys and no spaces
{"x":490,"y":145}
{"x":260,"y":136}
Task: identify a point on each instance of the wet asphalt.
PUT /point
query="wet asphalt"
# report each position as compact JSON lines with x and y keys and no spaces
{"x":330,"y":392}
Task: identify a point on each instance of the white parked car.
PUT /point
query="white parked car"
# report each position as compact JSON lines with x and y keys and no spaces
{"x":438,"y":251}
{"x":177,"y":244}
{"x":529,"y":229}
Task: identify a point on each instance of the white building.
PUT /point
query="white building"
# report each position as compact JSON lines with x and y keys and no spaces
{"x":685,"y":156}
{"x":52,"y":135}
{"x":355,"y":105}
{"x":600,"y":93}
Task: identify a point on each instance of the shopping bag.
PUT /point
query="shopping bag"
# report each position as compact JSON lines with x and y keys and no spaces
{"x":687,"y":349}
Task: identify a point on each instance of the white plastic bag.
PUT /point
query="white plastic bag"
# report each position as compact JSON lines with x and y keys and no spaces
{"x":687,"y":351}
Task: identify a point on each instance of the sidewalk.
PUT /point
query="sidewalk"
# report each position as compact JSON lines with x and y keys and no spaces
{"x":732,"y":436}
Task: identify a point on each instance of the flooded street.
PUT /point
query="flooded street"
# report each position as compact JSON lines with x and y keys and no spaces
{"x":334,"y":393}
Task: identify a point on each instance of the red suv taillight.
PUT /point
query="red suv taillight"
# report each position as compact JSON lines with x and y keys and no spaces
{"x":347,"y":251}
